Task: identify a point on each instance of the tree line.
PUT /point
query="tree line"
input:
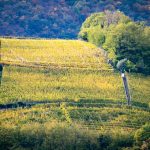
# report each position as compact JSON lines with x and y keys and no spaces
{"x":121,"y":37}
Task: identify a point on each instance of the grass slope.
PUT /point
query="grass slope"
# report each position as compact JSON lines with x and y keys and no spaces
{"x":52,"y":53}
{"x":41,"y":70}
{"x":83,"y":97}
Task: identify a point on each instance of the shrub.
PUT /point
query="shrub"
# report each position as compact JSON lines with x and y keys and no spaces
{"x":31,"y":136}
{"x":64,"y":137}
{"x":7,"y":138}
{"x":142,"y":135}
{"x":83,"y":35}
{"x":104,"y":141}
{"x":121,"y":140}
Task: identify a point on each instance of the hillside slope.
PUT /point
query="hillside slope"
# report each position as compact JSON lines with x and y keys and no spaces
{"x":63,"y":70}
{"x":52,"y":53}
{"x":61,"y":94}
{"x":60,"y":18}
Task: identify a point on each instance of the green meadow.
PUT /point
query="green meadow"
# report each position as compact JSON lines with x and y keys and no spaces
{"x":72,"y":99}
{"x":45,"y":70}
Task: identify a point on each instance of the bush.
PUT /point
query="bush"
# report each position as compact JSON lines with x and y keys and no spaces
{"x":7,"y":138}
{"x":31,"y":136}
{"x":58,"y":136}
{"x":83,"y":35}
{"x":104,"y":141}
{"x":142,"y":135}
{"x":121,"y":140}
{"x":66,"y":137}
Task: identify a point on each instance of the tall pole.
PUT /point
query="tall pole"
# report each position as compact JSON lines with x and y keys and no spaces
{"x":121,"y":67}
{"x":1,"y":66}
{"x":126,"y":88}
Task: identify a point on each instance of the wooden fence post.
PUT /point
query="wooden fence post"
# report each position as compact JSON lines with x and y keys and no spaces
{"x":1,"y":66}
{"x":126,"y":88}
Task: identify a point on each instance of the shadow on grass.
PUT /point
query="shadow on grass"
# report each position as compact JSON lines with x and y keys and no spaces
{"x":78,"y":103}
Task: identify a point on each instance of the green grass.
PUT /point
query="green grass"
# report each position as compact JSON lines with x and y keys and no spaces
{"x":65,"y":70}
{"x":34,"y":84}
{"x":76,"y":96}
{"x":52,"y":53}
{"x":100,"y":118}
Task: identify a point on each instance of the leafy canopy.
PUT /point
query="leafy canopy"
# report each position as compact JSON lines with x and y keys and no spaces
{"x":120,"y":37}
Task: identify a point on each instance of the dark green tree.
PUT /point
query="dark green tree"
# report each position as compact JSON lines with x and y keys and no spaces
{"x":120,"y":37}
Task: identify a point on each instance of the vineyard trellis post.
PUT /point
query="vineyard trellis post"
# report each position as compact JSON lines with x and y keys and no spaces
{"x":1,"y":66}
{"x":121,"y":67}
{"x":126,"y":88}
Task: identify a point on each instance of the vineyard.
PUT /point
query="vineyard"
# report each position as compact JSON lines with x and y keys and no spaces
{"x":66,"y":83}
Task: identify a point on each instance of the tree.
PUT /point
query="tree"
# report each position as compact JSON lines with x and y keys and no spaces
{"x":121,"y":37}
{"x":130,"y":41}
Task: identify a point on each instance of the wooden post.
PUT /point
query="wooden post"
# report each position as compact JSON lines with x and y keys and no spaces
{"x":126,"y":88}
{"x":121,"y":67}
{"x":1,"y":66}
{"x":1,"y":71}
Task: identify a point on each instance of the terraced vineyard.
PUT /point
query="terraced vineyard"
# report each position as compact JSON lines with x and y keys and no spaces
{"x":52,"y":53}
{"x":95,"y":118}
{"x":48,"y":82}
